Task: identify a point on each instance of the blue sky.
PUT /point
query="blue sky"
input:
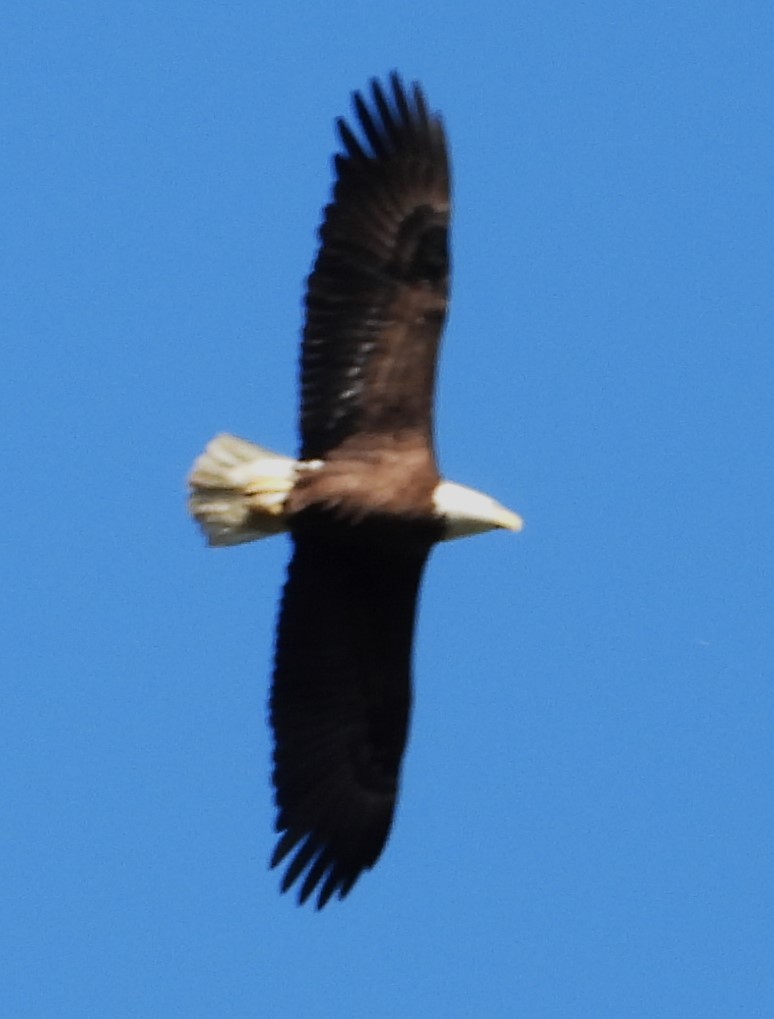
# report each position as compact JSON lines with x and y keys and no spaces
{"x":586,"y":823}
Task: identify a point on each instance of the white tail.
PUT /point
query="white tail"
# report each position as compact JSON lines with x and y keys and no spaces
{"x":238,"y":491}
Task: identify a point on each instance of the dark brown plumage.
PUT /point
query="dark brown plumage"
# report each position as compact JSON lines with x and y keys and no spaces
{"x":377,"y":296}
{"x":364,"y":503}
{"x":376,"y":304}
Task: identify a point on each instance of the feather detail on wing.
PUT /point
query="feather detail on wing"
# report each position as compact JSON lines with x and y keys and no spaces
{"x":377,"y":296}
{"x":340,"y":707}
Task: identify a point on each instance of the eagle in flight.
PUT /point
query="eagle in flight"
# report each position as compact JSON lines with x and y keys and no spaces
{"x":364,"y":503}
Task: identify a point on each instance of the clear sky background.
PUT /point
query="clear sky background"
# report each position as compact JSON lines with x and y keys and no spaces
{"x":586,"y":826}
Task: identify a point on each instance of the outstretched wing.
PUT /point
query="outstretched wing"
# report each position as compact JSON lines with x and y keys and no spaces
{"x":377,"y":296}
{"x":340,"y":706}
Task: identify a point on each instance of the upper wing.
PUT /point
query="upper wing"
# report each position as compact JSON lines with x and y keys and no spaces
{"x":377,"y":296}
{"x":340,"y":706}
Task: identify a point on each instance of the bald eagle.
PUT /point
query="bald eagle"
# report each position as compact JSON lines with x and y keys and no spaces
{"x":364,"y":502}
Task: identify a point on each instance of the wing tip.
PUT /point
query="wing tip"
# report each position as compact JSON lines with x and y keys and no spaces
{"x":318,"y":868}
{"x":395,"y":116}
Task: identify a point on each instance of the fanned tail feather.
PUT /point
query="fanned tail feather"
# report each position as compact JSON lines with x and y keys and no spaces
{"x":238,"y":491}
